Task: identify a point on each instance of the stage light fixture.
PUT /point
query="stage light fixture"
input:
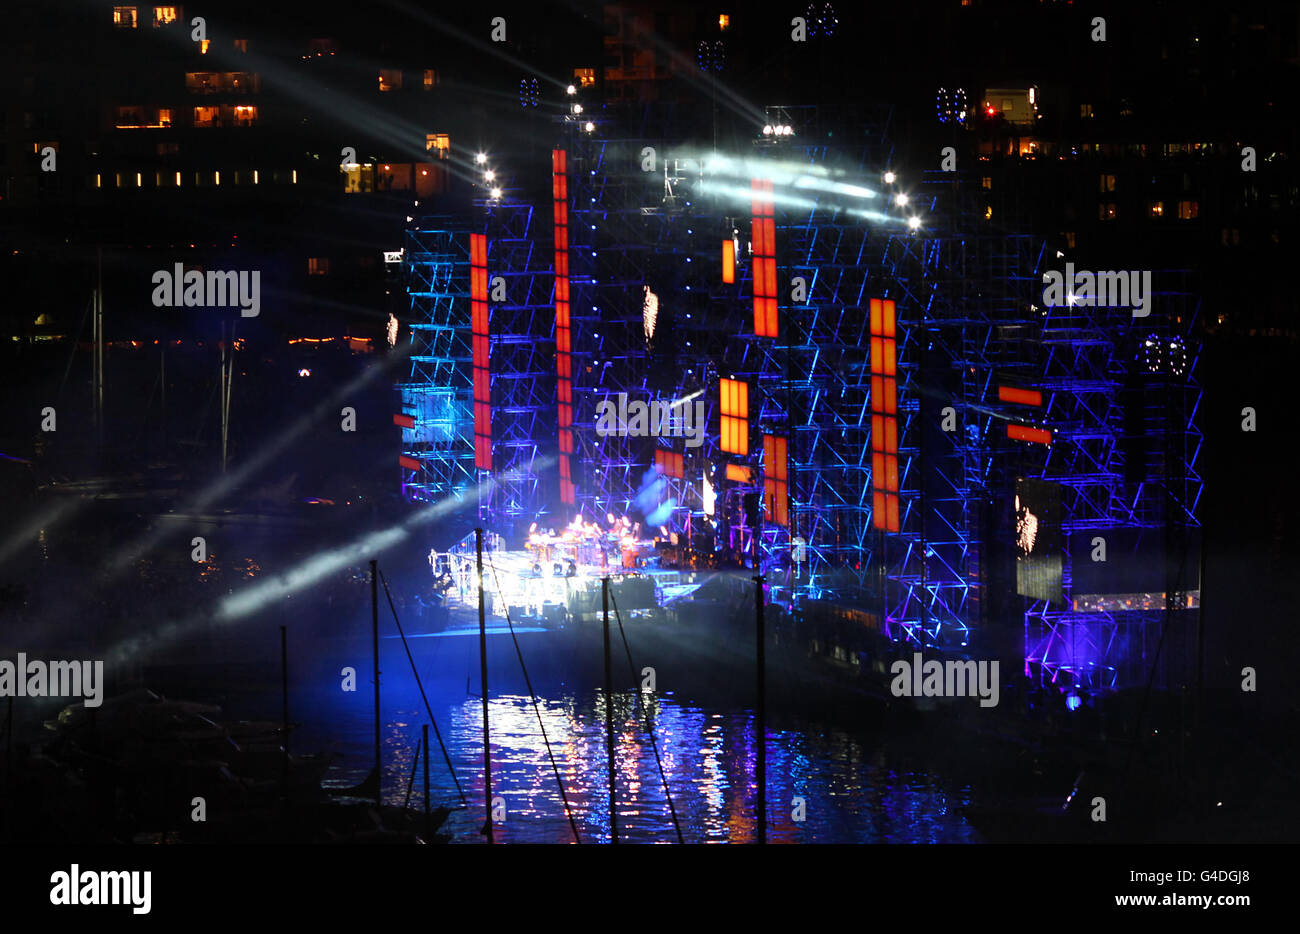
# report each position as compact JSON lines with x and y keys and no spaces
{"x":914,"y":223}
{"x":496,"y":193}
{"x":589,"y":126}
{"x":481,"y":158}
{"x":900,"y":200}
{"x":889,"y":178}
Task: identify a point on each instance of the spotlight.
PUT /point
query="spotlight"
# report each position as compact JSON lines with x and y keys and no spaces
{"x":914,"y":223}
{"x":571,"y":90}
{"x":496,"y":193}
{"x":589,"y":126}
{"x":767,"y":130}
{"x":889,"y":178}
{"x":489,"y":175}
{"x":304,"y":372}
{"x":577,"y":108}
{"x":900,"y":200}
{"x":481,"y":158}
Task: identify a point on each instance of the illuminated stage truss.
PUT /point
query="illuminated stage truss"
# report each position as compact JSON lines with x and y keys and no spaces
{"x":876,"y":390}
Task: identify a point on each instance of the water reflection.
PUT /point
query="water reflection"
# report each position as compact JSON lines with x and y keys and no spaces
{"x":853,"y":790}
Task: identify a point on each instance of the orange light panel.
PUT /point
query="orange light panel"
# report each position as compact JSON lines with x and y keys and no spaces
{"x":1026,"y":433}
{"x":1022,"y":396}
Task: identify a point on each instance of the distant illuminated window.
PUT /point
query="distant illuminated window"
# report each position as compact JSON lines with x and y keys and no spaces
{"x":1085,"y":110}
{"x":1068,"y":236}
{"x":986,"y":182}
{"x":1107,"y":211}
{"x":202,"y":82}
{"x":1106,"y":183}
{"x":162,"y":15}
{"x":124,"y":17}
{"x":390,"y":79}
{"x":129,"y":117}
{"x":207,"y":116}
{"x":164,"y":116}
{"x":439,"y":143}
{"x":318,"y":266}
{"x":723,"y":20}
{"x":1156,"y":209}
{"x":584,"y":77}
{"x":1188,"y":210}
{"x":358,"y":178}
{"x":430,"y":78}
{"x":241,"y":45}
{"x":245,"y":115}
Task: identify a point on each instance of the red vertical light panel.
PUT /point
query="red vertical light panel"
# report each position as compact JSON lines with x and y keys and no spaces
{"x":776,"y":480}
{"x":563,"y":336}
{"x":728,"y":261}
{"x":478,"y":295}
{"x":884,"y":417}
{"x":671,"y":463}
{"x":764,"y":240}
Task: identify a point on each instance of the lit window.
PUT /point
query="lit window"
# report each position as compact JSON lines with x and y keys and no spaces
{"x":358,"y":178}
{"x":164,"y":116}
{"x":130,"y":117}
{"x":439,"y":143}
{"x":390,"y":79}
{"x":1085,"y":110}
{"x":124,"y":17}
{"x":207,"y":116}
{"x":584,"y":77}
{"x":202,"y":82}
{"x":1068,"y":236}
{"x":162,"y":15}
{"x":1106,"y":183}
{"x":245,"y":115}
{"x":986,"y":182}
{"x":203,"y":46}
{"x":1106,"y":211}
{"x":1188,"y":210}
{"x":430,"y":79}
{"x":241,"y":45}
{"x":318,"y":266}
{"x":1156,"y":209}
{"x":723,"y":20}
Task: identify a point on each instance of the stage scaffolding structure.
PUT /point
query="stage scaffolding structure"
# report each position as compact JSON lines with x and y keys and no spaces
{"x":645,"y":315}
{"x":437,"y":400}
